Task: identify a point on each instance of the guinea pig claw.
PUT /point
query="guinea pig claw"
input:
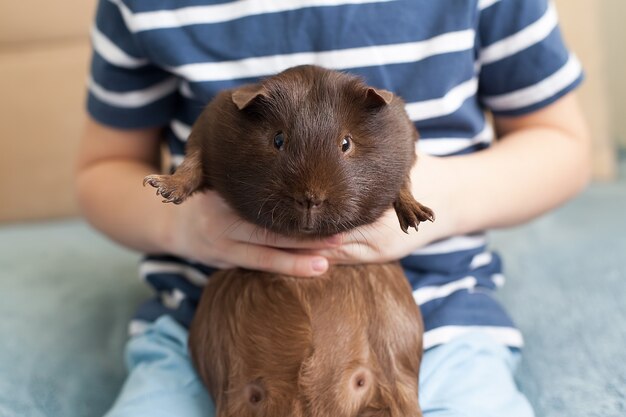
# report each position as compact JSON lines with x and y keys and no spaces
{"x":407,"y":219}
{"x":411,"y":213}
{"x":427,"y":213}
{"x":166,"y":187}
{"x":150,"y":180}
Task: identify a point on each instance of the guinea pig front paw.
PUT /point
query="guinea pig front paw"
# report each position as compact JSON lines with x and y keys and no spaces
{"x":168,"y":187}
{"x":411,"y":213}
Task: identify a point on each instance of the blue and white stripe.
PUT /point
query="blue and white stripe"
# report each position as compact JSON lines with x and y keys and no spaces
{"x":218,"y":13}
{"x":525,"y":38}
{"x":541,"y":91}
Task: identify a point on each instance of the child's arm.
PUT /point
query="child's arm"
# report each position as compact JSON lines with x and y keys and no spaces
{"x":112,"y":164}
{"x":541,"y":160}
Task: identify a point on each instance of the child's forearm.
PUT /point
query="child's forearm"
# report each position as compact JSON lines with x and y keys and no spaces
{"x":113,"y":200}
{"x":541,"y":161}
{"x":110,"y":169}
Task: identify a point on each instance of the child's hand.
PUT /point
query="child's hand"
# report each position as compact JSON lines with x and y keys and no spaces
{"x":204,"y":228}
{"x":382,"y":241}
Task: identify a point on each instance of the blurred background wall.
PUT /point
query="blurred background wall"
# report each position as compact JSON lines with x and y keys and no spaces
{"x":44,"y":53}
{"x":594,"y":31}
{"x":43,"y":67}
{"x":613,"y":27}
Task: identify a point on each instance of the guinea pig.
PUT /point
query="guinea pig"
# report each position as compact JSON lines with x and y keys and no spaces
{"x":307,"y":153}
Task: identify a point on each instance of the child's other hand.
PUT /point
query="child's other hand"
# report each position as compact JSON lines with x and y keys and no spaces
{"x":204,"y":228}
{"x":382,"y":241}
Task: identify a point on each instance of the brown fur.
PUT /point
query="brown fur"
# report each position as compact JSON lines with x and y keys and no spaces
{"x":345,"y":344}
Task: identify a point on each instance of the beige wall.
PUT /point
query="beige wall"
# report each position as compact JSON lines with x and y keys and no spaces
{"x":582,"y":25}
{"x":43,"y":69}
{"x":613,"y":18}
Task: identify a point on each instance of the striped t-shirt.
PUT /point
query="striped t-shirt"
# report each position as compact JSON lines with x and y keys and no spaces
{"x":157,"y":63}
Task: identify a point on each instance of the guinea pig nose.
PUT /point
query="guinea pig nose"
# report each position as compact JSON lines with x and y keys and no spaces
{"x":309,"y":200}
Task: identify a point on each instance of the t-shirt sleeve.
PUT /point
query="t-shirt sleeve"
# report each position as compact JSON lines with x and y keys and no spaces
{"x":524,"y":63}
{"x":125,"y":89}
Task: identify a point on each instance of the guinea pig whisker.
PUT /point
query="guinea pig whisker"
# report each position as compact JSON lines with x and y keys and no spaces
{"x":255,"y":231}
{"x":272,"y":212}
{"x":282,"y":215}
{"x":370,"y":242}
{"x":364,"y":241}
{"x":239,"y":180}
{"x":265,"y":200}
{"x":276,"y":202}
{"x":369,"y":229}
{"x":231,"y":228}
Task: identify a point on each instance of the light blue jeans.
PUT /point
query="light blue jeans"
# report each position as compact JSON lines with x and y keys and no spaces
{"x":472,"y":376}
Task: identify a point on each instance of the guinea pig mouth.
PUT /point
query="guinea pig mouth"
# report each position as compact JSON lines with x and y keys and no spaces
{"x":308,"y":224}
{"x":316,"y":221}
{"x":308,"y":221}
{"x":303,"y":228}
{"x":307,"y":230}
{"x":288,"y":218}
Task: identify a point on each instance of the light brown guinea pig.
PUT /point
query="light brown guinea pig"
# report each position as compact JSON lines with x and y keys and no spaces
{"x":307,"y":153}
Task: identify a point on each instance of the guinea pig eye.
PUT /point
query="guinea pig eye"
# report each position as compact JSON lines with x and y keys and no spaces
{"x":279,"y":141}
{"x":346,"y":144}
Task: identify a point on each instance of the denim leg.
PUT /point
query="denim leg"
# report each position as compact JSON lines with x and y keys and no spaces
{"x":471,"y":376}
{"x":161,"y":380}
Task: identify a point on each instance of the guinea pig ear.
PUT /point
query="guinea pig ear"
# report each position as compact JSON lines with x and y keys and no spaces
{"x":410,"y":212}
{"x":377,"y":98}
{"x":245,"y":95}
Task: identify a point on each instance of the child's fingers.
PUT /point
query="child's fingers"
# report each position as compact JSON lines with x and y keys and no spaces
{"x":258,"y":236}
{"x":262,"y":258}
{"x":345,"y":255}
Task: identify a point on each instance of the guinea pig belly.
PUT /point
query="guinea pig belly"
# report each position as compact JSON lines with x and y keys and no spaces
{"x":366,"y":328}
{"x":270,"y":341}
{"x":372,"y":306}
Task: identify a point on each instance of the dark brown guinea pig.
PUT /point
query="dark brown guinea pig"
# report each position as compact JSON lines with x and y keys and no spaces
{"x":307,"y":153}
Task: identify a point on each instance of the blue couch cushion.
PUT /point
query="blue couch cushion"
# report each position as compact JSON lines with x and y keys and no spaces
{"x":67,"y":297}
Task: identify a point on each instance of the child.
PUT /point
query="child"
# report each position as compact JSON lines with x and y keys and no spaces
{"x":156,"y":64}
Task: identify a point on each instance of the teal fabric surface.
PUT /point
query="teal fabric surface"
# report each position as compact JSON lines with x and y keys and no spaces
{"x":67,"y":295}
{"x":566,"y":288}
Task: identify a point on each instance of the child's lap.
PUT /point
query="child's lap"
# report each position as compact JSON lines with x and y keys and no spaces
{"x":472,"y":376}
